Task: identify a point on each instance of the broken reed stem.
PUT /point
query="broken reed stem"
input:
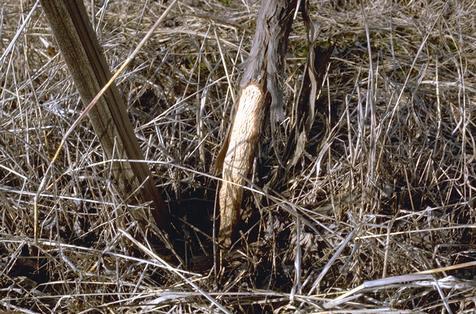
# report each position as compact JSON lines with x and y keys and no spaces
{"x":86,"y":63}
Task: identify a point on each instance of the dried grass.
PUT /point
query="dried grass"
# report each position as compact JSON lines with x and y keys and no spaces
{"x":385,"y":188}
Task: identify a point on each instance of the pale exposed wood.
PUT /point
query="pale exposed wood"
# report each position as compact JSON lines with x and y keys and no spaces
{"x":259,"y":88}
{"x":86,"y":63}
{"x":239,"y":158}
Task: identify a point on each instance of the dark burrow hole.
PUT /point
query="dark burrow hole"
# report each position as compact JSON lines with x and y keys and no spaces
{"x":191,"y":232}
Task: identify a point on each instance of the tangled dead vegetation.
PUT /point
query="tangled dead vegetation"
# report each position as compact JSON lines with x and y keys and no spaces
{"x":373,"y":212}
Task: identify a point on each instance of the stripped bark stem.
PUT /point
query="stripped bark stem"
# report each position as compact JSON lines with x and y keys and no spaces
{"x":238,"y":160}
{"x":259,"y":88}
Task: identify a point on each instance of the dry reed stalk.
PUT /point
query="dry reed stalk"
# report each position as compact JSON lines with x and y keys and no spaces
{"x":87,"y":65}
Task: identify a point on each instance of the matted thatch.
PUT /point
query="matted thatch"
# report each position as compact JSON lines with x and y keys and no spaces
{"x":383,"y":190}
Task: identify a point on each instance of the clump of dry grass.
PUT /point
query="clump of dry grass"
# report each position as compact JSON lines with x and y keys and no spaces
{"x":383,"y":190}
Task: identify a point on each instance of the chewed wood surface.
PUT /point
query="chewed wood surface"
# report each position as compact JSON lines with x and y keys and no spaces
{"x":239,"y":158}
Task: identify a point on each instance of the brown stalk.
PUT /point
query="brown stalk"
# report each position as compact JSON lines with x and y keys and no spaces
{"x":86,"y":63}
